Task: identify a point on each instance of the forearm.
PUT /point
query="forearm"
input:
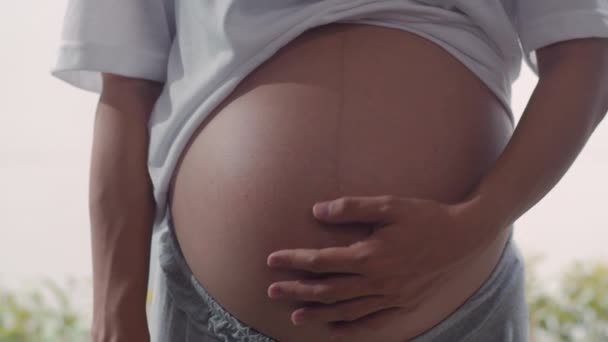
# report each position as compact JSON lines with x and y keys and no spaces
{"x":564,"y":110}
{"x":121,"y":210}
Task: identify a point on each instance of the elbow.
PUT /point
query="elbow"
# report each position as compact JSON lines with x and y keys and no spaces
{"x":107,"y":197}
{"x":118,"y":198}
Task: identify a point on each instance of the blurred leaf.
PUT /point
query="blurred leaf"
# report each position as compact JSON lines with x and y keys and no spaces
{"x":27,"y":316}
{"x":578,"y":312}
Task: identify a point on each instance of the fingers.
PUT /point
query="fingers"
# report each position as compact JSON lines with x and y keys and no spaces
{"x":333,"y":289}
{"x":339,"y":288}
{"x":372,"y":209}
{"x":349,"y":310}
{"x":350,"y":259}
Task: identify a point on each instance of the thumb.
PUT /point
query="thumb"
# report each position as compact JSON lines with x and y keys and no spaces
{"x":370,"y":209}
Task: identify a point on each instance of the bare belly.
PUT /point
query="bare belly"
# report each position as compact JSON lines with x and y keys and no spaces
{"x":343,"y":109}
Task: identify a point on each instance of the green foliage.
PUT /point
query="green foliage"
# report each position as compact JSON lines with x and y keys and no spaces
{"x":576,"y":312}
{"x":45,"y":313}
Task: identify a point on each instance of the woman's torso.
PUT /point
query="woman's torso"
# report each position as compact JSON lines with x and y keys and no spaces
{"x":344,"y":109}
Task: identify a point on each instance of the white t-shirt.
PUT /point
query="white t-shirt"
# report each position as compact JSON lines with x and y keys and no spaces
{"x":203,"y":49}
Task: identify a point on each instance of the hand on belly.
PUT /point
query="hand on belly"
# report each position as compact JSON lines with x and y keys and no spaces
{"x":349,"y":120}
{"x":373,"y":281}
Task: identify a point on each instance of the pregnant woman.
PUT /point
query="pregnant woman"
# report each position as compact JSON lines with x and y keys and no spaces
{"x":223,"y":125}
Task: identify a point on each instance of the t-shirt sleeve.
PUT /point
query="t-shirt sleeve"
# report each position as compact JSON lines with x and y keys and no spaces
{"x":126,"y":37}
{"x":544,"y":22}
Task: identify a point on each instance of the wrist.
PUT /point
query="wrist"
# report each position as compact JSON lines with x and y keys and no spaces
{"x":483,"y":215}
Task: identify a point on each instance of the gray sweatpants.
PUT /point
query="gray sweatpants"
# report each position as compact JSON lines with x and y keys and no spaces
{"x":496,"y":312}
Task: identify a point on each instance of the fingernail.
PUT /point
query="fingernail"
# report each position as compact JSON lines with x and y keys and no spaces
{"x":298,"y":317}
{"x":276,"y":292}
{"x":321,"y":209}
{"x":274,"y":261}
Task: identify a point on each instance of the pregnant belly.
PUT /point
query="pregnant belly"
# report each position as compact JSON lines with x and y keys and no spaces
{"x":344,"y":109}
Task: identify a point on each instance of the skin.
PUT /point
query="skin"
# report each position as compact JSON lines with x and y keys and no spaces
{"x":570,"y":98}
{"x":336,"y":112}
{"x":121,"y":209}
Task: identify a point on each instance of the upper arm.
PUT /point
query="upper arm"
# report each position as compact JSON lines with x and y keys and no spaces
{"x":135,"y":96}
{"x":111,"y":39}
{"x":580,"y":67}
{"x":591,"y":53}
{"x":543,"y":23}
